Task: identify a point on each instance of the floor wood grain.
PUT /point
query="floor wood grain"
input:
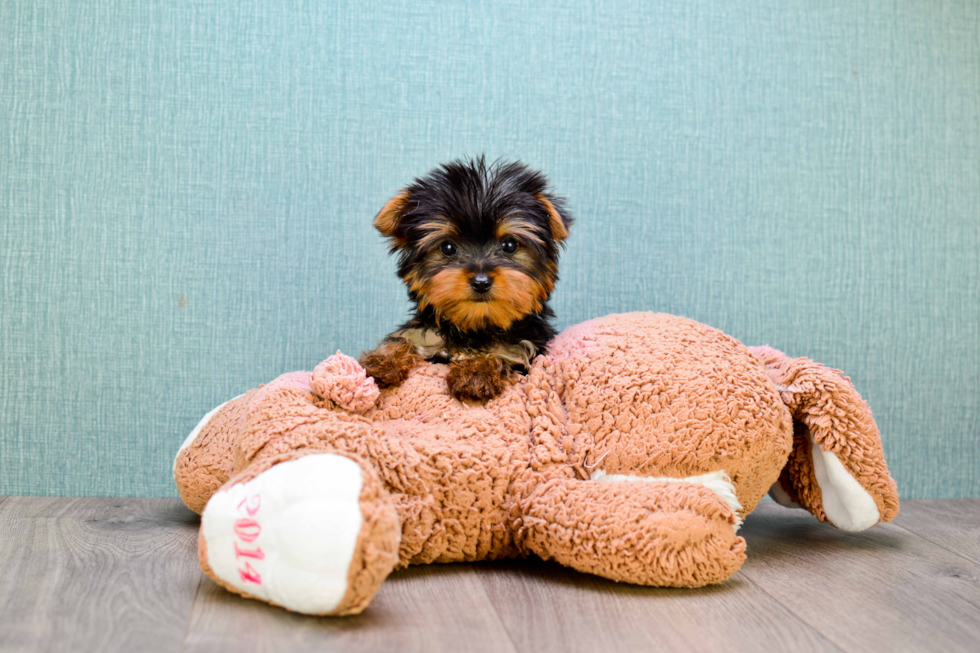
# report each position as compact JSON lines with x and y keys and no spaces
{"x":96,"y":574}
{"x":121,"y":575}
{"x":953,"y":524}
{"x":424,"y":609}
{"x":882,"y":589}
{"x":547,"y":607}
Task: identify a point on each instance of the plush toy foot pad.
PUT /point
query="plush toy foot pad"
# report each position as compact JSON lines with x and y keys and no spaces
{"x":288,"y":536}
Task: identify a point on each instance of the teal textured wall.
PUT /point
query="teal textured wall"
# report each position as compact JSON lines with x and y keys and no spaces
{"x":186,"y":191}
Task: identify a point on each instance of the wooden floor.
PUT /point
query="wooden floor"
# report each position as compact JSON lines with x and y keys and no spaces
{"x":121,"y":575}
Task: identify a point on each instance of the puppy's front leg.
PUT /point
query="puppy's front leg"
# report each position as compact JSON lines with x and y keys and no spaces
{"x":390,"y":362}
{"x":478,"y":379}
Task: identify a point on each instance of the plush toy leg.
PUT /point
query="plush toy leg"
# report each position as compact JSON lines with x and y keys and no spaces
{"x":836,"y":469}
{"x":205,"y":461}
{"x":207,"y":458}
{"x":660,"y":533}
{"x":310,"y":531}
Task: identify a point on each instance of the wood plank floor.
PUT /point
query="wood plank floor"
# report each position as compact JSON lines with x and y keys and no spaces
{"x":121,"y":575}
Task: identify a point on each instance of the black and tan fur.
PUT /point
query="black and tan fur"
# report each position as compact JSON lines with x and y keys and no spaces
{"x":478,"y":248}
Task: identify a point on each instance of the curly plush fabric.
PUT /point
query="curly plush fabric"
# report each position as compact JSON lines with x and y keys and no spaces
{"x":550,"y":467}
{"x":342,"y":380}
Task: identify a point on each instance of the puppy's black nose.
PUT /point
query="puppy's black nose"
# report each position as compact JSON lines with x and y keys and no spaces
{"x":481,"y":282}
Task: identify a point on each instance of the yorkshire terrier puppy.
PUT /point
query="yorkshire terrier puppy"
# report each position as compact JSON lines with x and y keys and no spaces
{"x":478,"y":248}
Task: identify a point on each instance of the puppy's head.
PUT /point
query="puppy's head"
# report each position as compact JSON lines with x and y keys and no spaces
{"x":478,"y":244}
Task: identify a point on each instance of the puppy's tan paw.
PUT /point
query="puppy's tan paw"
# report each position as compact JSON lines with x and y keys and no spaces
{"x":390,"y":363}
{"x":478,"y":379}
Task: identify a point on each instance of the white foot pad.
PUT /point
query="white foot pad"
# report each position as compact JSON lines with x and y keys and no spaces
{"x":289,"y":534}
{"x":847,"y":505}
{"x":717,"y":481}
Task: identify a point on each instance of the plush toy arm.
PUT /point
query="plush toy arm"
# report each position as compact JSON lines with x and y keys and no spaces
{"x":836,"y":469}
{"x":671,"y":534}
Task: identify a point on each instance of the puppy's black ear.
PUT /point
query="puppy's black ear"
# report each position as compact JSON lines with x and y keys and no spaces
{"x":389,"y":219}
{"x":559,"y":220}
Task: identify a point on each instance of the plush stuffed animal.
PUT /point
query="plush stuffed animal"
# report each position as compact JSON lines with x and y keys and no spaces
{"x":632,"y":450}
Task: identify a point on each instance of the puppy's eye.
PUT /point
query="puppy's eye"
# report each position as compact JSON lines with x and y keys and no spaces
{"x":448,"y":249}
{"x":509,"y":245}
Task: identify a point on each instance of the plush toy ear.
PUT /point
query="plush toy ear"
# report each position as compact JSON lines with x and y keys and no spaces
{"x":558,"y":219}
{"x":836,"y":469}
{"x":389,"y":219}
